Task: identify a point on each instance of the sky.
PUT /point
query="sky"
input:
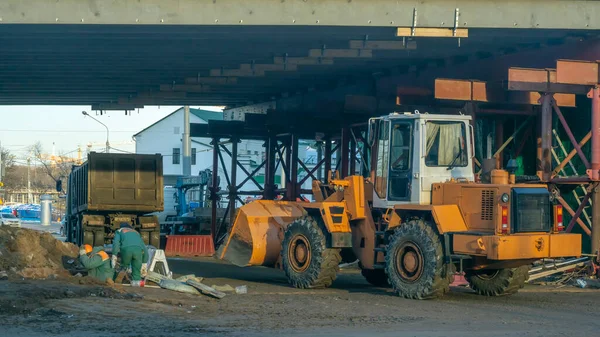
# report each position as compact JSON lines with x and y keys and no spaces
{"x":67,"y":128}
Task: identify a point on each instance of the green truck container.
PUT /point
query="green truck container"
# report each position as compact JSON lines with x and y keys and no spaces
{"x":109,"y":189}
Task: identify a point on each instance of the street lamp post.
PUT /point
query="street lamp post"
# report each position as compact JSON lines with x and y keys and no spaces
{"x":107,"y":132}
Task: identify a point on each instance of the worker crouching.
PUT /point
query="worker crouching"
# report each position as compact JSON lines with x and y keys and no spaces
{"x":97,"y":263}
{"x":130,"y":246}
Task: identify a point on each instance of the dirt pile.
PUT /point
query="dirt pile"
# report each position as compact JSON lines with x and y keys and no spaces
{"x":34,"y":255}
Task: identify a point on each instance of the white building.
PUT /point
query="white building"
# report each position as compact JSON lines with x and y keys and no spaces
{"x":165,"y":137}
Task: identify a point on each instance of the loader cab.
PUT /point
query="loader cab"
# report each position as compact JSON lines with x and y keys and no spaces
{"x":412,"y":151}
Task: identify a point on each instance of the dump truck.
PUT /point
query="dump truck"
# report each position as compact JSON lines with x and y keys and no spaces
{"x":109,"y":189}
{"x":414,"y":218}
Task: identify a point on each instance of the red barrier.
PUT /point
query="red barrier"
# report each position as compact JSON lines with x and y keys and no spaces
{"x":189,"y":245}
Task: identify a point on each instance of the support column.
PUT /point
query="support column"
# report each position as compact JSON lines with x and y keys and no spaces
{"x":352,"y":157}
{"x":327,"y":158}
{"x":499,"y":141}
{"x":319,"y":158}
{"x":594,"y":94}
{"x":294,"y":189}
{"x":345,"y":155}
{"x":187,"y":143}
{"x":546,"y":135}
{"x":233,"y":187}
{"x":269,"y":192}
{"x":214,"y":189}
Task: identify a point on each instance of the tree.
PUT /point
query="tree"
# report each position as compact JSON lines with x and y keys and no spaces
{"x":56,"y":167}
{"x":8,"y":163}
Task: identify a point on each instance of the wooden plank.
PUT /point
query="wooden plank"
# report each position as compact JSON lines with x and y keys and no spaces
{"x":302,"y":61}
{"x":533,"y":98}
{"x":577,"y":72}
{"x":341,"y":53}
{"x":432,"y":32}
{"x":184,"y":88}
{"x":541,"y":80}
{"x":236,"y":73}
{"x":453,"y":89}
{"x":268,"y":67}
{"x":383,"y":45}
{"x":206,"y":290}
{"x":478,"y":91}
{"x":211,"y":80}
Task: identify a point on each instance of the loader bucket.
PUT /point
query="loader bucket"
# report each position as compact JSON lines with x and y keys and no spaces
{"x":256,"y":235}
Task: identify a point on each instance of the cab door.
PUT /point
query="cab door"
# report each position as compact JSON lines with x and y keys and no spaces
{"x":400,"y":162}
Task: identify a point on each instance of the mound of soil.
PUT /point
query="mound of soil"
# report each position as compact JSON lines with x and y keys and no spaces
{"x":34,"y":255}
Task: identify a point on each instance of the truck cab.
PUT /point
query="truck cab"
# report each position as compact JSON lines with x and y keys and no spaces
{"x":412,"y":151}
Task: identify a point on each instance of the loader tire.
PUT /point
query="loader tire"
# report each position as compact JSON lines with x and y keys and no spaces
{"x":415,"y":262}
{"x":376,"y":277}
{"x":498,"y":282}
{"x":306,"y":260}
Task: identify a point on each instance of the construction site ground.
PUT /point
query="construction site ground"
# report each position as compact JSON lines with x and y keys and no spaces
{"x":272,"y":308}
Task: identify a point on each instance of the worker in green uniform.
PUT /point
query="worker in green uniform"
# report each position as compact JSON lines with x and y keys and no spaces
{"x":129,"y":245}
{"x":97,"y":263}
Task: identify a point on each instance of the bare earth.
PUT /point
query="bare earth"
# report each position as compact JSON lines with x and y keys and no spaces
{"x":271,"y":308}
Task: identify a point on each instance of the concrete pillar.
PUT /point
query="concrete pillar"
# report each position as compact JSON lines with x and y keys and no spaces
{"x":187,"y":143}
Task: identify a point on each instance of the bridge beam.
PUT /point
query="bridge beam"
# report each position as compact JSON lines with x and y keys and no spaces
{"x":552,"y":14}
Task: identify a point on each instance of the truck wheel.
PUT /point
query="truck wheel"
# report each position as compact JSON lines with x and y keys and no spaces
{"x":99,"y":238}
{"x":145,"y":237}
{"x":88,"y":238}
{"x":415,"y":262}
{"x":154,"y":239}
{"x":306,"y":260}
{"x":376,"y":277}
{"x":498,"y":282}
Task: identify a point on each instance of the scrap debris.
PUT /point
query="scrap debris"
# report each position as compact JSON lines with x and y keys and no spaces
{"x":561,"y":273}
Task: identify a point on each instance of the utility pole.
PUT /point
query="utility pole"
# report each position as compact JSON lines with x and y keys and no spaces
{"x":28,"y":180}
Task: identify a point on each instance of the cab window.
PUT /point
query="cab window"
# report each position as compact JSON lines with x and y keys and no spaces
{"x":445,"y":144}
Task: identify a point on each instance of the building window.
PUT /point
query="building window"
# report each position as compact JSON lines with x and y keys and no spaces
{"x":193,"y":156}
{"x":176,"y":155}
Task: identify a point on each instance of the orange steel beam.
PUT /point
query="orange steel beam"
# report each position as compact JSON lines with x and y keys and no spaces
{"x":577,"y":72}
{"x":541,"y":80}
{"x":479,"y":91}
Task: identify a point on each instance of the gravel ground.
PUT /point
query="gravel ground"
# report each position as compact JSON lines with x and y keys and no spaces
{"x":271,"y":308}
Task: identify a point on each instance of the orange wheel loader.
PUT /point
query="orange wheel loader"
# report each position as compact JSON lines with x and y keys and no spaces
{"x":412,"y":221}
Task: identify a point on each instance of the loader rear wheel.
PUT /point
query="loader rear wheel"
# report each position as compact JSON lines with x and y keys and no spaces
{"x":498,"y":282}
{"x":415,"y":261}
{"x":306,"y":260}
{"x":376,"y":277}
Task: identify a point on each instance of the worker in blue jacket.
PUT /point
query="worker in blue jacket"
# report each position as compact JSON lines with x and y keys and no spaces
{"x":130,"y":246}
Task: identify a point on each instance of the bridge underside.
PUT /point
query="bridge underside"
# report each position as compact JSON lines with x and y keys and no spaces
{"x":131,"y":66}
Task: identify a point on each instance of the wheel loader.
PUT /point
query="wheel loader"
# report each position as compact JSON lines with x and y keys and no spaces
{"x":414,"y":219}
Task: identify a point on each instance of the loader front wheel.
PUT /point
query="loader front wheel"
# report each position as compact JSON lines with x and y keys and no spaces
{"x":497,"y":282}
{"x":306,"y":260}
{"x":415,"y":261}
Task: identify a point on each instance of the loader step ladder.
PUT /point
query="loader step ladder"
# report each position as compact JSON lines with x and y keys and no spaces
{"x":380,"y":243}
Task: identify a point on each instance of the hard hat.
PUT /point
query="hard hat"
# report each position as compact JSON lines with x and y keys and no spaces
{"x":88,"y":249}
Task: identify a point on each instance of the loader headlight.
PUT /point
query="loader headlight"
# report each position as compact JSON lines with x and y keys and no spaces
{"x":504,"y":197}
